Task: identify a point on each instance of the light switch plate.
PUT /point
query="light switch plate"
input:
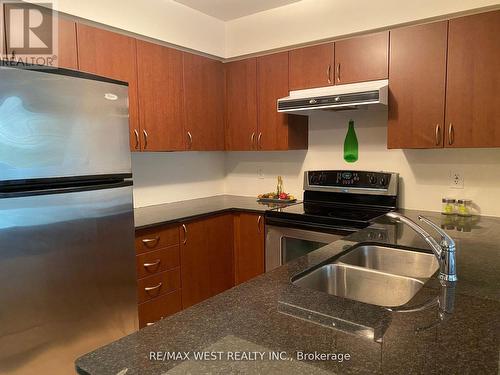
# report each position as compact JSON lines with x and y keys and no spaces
{"x":260,"y":173}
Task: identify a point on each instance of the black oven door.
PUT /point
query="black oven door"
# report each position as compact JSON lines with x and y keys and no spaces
{"x":287,"y":240}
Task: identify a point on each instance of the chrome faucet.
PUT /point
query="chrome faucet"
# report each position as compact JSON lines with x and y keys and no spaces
{"x":444,"y":250}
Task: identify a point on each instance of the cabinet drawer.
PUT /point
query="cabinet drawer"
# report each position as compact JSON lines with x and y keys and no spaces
{"x":157,"y":261}
{"x":154,"y":286}
{"x":158,"y":308}
{"x":156,"y":238}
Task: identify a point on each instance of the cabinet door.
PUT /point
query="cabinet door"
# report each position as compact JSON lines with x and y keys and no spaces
{"x":112,"y":55}
{"x":220,"y":246}
{"x":417,"y":75}
{"x":364,"y":58}
{"x":67,"y":50}
{"x":241,"y":105}
{"x":311,"y":67}
{"x":473,"y":81}
{"x":249,"y":246}
{"x":206,"y":258}
{"x":272,"y":84}
{"x":204,"y":103}
{"x":161,"y":98}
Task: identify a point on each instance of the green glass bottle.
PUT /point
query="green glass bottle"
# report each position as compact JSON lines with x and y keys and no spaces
{"x":351,"y":144}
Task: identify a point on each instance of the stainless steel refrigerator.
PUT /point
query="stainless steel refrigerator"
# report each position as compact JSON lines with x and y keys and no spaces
{"x":67,"y":261}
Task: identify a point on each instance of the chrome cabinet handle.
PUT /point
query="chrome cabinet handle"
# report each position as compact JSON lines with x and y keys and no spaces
{"x":156,"y":263}
{"x":146,"y":135}
{"x":329,"y":73}
{"x":252,"y":140}
{"x":338,"y":72}
{"x":451,"y":134}
{"x":259,"y":219}
{"x":151,"y":242}
{"x":190,"y":137}
{"x":438,"y":134}
{"x":259,"y":145}
{"x":184,"y":228}
{"x":136,"y":133}
{"x":151,"y":288}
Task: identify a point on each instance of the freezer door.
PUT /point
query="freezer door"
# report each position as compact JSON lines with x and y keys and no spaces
{"x":54,"y":125}
{"x":67,"y":276}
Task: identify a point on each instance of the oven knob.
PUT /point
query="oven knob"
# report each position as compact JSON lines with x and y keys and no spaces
{"x":322,"y":178}
{"x":382,"y":181}
{"x":314,"y":179}
{"x":373,"y":180}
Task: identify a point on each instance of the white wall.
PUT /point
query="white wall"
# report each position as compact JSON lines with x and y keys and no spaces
{"x":314,"y":20}
{"x":169,"y":177}
{"x":165,"y":20}
{"x":425,"y":173}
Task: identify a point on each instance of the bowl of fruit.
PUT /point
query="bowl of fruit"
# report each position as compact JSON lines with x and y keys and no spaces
{"x":276,"y":198}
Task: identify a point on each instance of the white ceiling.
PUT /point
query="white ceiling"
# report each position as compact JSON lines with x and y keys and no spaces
{"x":227,"y":10}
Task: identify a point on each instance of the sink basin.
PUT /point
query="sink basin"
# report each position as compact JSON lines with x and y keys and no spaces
{"x":391,"y":260}
{"x":364,"y":285}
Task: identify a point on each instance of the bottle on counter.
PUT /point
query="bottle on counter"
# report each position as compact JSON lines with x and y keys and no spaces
{"x":448,"y":206}
{"x":279,"y":187}
{"x":464,"y":207}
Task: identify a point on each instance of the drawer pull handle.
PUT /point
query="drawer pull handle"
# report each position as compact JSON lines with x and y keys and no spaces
{"x":259,"y":220}
{"x":155,"y":264}
{"x":152,"y":288}
{"x":151,"y":242}
{"x":150,"y":324}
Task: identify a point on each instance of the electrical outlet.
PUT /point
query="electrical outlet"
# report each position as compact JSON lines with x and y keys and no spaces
{"x":260,"y":173}
{"x":456,"y":180}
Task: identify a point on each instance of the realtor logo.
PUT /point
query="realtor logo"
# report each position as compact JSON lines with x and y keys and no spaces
{"x":30,"y":33}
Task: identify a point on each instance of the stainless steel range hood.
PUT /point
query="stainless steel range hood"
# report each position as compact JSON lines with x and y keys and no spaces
{"x":350,"y":96}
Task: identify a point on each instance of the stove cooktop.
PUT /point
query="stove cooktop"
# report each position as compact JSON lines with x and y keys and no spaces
{"x":341,"y":199}
{"x":335,"y":215}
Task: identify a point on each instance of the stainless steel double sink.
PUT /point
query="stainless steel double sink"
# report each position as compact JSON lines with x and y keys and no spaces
{"x":374,"y":274}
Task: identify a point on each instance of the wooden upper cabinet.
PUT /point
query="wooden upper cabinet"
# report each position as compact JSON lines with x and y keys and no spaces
{"x":241,"y":105}
{"x":311,"y":66}
{"x":249,"y":246}
{"x":66,"y":50}
{"x":161,"y":98}
{"x":112,"y":55}
{"x":206,"y":258}
{"x":277,"y":131}
{"x":204,"y":103}
{"x":417,"y":75}
{"x":67,"y":55}
{"x":364,"y":58}
{"x":473,"y":81}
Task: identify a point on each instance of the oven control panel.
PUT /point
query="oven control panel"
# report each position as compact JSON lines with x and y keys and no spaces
{"x":351,"y":179}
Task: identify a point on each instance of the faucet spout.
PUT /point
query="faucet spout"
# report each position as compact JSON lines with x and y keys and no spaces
{"x":444,"y":251}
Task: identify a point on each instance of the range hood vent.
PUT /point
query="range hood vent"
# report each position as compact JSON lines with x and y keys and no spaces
{"x":350,"y":96}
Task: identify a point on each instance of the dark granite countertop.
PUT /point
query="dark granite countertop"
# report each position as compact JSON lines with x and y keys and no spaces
{"x":193,"y":208}
{"x":270,"y":314}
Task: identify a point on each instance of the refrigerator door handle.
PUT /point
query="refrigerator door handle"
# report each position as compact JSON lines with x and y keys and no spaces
{"x":6,"y":193}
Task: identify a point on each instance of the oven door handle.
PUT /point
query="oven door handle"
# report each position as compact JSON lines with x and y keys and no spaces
{"x":317,"y":227}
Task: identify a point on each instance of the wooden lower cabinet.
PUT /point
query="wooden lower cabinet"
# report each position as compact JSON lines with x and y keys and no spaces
{"x":158,"y":273}
{"x":156,"y":285}
{"x":158,"y":308}
{"x":248,"y":246}
{"x":206,"y":258}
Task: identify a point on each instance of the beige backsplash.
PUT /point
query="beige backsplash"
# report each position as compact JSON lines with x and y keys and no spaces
{"x":169,"y":177}
{"x":424,"y":173}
